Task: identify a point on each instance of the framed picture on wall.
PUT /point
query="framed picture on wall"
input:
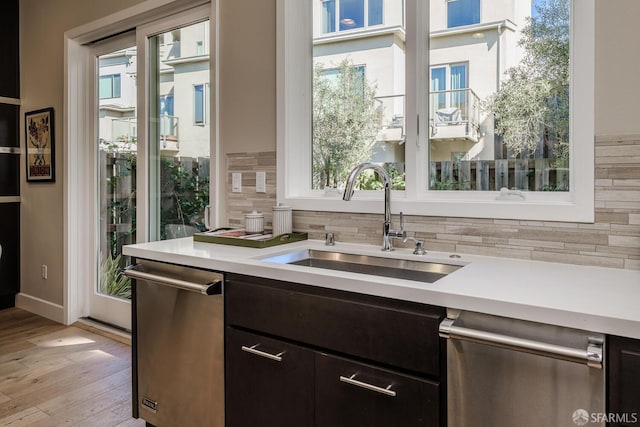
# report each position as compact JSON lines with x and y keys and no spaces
{"x":40,"y":152}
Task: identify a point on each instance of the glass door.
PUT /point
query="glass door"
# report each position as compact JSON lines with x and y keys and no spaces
{"x":153,"y":145}
{"x":116,"y":161}
{"x":179,"y":131}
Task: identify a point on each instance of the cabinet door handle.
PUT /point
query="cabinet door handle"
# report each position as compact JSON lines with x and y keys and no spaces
{"x":351,"y":380}
{"x":253,"y":350}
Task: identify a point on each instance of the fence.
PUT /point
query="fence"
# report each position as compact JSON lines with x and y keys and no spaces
{"x":184,"y":191}
{"x":492,"y":175}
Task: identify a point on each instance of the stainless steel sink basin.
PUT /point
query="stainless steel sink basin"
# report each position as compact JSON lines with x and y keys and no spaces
{"x":421,"y":271}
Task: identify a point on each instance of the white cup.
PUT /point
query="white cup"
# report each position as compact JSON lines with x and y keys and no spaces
{"x":281,"y":220}
{"x":254,"y":222}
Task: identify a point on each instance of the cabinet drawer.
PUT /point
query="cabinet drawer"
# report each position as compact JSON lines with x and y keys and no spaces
{"x":389,"y":332}
{"x":268,"y":382}
{"x":624,"y":379}
{"x":354,"y":394}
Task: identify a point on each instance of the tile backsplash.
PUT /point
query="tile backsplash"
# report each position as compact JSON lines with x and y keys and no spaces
{"x":612,"y":241}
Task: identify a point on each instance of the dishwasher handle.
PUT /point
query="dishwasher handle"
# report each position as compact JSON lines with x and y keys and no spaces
{"x":211,"y":288}
{"x":591,"y":356}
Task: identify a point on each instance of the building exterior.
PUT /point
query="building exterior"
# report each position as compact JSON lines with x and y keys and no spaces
{"x":472,"y":43}
{"x":182,"y":97}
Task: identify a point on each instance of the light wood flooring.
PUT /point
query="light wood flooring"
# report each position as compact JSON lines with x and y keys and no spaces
{"x":54,"y":375}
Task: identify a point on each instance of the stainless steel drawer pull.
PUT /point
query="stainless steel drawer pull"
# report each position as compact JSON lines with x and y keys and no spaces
{"x":351,"y":380}
{"x":591,"y":356}
{"x":211,"y":288}
{"x":253,"y":350}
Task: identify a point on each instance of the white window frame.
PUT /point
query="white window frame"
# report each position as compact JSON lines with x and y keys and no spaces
{"x":365,"y":17}
{"x":294,"y":67}
{"x":205,"y":104}
{"x":112,"y":79}
{"x":458,"y":26}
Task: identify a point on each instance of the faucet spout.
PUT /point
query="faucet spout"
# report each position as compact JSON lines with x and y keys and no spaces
{"x":387,"y":232}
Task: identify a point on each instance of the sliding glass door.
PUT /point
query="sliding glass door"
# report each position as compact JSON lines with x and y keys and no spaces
{"x":152,"y":164}
{"x":116,"y":161}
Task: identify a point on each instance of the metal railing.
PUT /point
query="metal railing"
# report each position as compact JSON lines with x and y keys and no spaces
{"x":392,"y":124}
{"x":454,"y":107}
{"x":125,"y":130}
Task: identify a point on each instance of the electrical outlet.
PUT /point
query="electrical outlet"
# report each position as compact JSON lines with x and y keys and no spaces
{"x":236,"y":182}
{"x":44,"y":270}
{"x":261,"y":182}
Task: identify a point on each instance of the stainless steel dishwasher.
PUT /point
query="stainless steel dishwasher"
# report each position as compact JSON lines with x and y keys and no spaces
{"x":504,"y":372}
{"x":178,"y":355}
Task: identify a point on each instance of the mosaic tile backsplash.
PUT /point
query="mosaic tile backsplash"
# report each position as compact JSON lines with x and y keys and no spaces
{"x":612,"y":241}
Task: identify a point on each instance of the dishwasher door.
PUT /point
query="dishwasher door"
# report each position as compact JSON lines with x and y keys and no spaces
{"x":178,"y":345}
{"x":503,"y":372}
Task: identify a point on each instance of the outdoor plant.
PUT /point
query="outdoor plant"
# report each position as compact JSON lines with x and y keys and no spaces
{"x":185,"y":193}
{"x":111,"y":280}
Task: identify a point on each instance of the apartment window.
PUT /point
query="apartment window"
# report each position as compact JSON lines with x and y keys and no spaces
{"x":200,"y":102}
{"x":350,"y":14}
{"x":109,"y":86}
{"x":166,"y":105}
{"x":462,"y":12}
{"x":355,"y":74}
{"x":448,"y":87}
{"x":441,"y":129}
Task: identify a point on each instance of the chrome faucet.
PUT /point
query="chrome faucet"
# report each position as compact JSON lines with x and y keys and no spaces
{"x":387,"y":232}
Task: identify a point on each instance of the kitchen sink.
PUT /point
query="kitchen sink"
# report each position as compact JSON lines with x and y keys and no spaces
{"x":420,"y":271}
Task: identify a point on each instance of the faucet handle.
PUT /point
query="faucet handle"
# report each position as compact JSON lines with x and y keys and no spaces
{"x":419,"y":249}
{"x":329,"y":239}
{"x":399,"y":233}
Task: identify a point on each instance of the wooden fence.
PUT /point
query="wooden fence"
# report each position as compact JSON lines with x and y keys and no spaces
{"x":182,"y":179}
{"x":492,"y":175}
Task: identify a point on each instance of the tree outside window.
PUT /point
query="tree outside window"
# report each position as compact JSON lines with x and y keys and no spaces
{"x":532,"y":106}
{"x":346,"y":119}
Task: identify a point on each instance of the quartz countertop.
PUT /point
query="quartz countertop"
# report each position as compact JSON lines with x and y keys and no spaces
{"x":596,"y":299}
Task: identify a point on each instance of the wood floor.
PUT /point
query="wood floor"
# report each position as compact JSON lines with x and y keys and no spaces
{"x":54,"y":375}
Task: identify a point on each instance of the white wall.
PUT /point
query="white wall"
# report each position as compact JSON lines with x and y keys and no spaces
{"x":617,"y":65}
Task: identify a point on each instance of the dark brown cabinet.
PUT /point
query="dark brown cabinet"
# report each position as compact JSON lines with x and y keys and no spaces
{"x":354,"y":394}
{"x":10,"y":256}
{"x":269,"y":382}
{"x":9,"y":154}
{"x":624,"y":380}
{"x":10,"y":70}
{"x":299,"y":355}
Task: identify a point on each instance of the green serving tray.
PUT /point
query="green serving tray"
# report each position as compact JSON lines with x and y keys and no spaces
{"x":238,"y":237}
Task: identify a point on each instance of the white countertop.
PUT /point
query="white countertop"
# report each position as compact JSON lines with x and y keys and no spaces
{"x":596,"y":299}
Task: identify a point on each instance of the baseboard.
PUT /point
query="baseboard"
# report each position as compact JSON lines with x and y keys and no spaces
{"x":40,"y":307}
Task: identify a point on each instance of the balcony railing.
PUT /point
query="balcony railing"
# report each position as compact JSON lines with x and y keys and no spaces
{"x":392,"y":128}
{"x":454,"y":114}
{"x":124,"y":133}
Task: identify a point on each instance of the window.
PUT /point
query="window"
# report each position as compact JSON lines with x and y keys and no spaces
{"x":448,"y":89}
{"x":109,"y":86}
{"x":450,"y":154}
{"x":166,"y":105}
{"x":200,"y":103}
{"x":350,"y":14}
{"x":462,"y":12}
{"x":355,"y":74}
